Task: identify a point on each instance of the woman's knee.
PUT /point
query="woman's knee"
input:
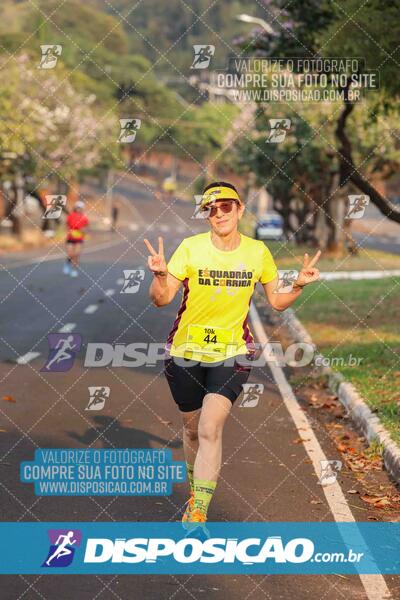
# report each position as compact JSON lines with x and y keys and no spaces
{"x":190,"y":426}
{"x":191,"y":433}
{"x":209,"y":431}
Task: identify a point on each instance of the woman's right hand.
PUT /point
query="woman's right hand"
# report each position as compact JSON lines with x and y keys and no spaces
{"x":156,"y":261}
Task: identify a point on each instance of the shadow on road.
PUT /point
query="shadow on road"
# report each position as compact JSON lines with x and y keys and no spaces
{"x":114,"y":434}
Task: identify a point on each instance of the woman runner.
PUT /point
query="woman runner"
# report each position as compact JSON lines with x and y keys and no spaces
{"x":210,"y":337}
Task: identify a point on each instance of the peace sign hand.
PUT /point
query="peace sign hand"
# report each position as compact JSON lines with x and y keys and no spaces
{"x":156,"y":262}
{"x":308,"y":273}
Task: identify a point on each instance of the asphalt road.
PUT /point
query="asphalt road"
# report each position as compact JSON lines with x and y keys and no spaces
{"x":383,"y":233}
{"x":265,"y":477}
{"x":385,"y":243}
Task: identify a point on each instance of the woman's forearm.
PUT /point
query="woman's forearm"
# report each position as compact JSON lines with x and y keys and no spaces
{"x":283,"y":301}
{"x":159,"y":290}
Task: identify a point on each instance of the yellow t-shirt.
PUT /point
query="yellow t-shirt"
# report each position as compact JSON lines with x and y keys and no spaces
{"x":212,"y":321}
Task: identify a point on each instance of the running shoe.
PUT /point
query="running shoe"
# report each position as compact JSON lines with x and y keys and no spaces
{"x":196,"y":526}
{"x":66,"y":269}
{"x":188,"y":510}
{"x":74,"y":273}
{"x":197,"y":516}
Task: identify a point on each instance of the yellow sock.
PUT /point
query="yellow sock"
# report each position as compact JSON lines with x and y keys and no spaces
{"x":189,"y":469}
{"x":203,"y":492}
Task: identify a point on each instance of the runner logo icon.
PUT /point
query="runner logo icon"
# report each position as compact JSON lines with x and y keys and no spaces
{"x":251,"y":394}
{"x":62,"y":547}
{"x":329,"y":471}
{"x":50,"y":54}
{"x":54,"y":206}
{"x":279,"y":129}
{"x":286,"y":280}
{"x":357,"y":205}
{"x":202,"y":55}
{"x":129,"y":128}
{"x":133,"y":279}
{"x":98,"y":396}
{"x":62,"y":351}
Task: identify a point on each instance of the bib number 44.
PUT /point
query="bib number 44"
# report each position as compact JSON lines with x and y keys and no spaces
{"x":208,"y":340}
{"x":211,"y":337}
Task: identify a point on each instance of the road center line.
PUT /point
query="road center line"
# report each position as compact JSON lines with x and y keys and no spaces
{"x":26,"y":358}
{"x":89,"y":249}
{"x":67,"y":328}
{"x":89,"y":310}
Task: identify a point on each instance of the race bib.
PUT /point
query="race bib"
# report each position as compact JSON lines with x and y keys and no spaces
{"x":76,"y":233}
{"x":212,"y":341}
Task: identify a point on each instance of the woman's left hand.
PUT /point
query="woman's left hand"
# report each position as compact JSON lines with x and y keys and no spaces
{"x":309,"y":272}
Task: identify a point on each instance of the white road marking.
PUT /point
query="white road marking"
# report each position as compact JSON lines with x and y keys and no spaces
{"x":89,"y":310}
{"x":120,"y":281}
{"x":67,"y":328}
{"x":26,"y":358}
{"x":374,"y":585}
{"x":110,"y":292}
{"x":62,"y":255}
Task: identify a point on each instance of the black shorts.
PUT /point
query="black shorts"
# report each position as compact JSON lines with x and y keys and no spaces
{"x":72,"y":241}
{"x":189,"y":384}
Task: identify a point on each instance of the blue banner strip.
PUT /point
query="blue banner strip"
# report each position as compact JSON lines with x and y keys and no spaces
{"x":216,"y":548}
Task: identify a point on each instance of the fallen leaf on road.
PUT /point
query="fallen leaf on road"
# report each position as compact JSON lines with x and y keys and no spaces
{"x":315,"y":502}
{"x":377,"y":501}
{"x":163,"y":421}
{"x":383,"y":502}
{"x":8,"y":399}
{"x":299,"y":441}
{"x":313,"y":399}
{"x":352,"y":491}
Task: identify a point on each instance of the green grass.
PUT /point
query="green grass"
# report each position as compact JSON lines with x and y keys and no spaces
{"x":360,"y":319}
{"x":288,"y":256}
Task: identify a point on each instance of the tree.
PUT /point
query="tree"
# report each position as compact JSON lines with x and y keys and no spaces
{"x":310,"y":29}
{"x":53,"y":128}
{"x":367,"y":35}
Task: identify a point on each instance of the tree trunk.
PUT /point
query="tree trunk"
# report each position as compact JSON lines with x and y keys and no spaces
{"x":283,"y":209}
{"x":349,"y":172}
{"x":336,"y":211}
{"x":11,"y":198}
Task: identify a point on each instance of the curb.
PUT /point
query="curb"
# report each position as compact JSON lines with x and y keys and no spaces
{"x":353,"y":275}
{"x":362,"y":416}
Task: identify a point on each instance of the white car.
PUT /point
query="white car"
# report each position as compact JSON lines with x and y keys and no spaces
{"x":269,"y":227}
